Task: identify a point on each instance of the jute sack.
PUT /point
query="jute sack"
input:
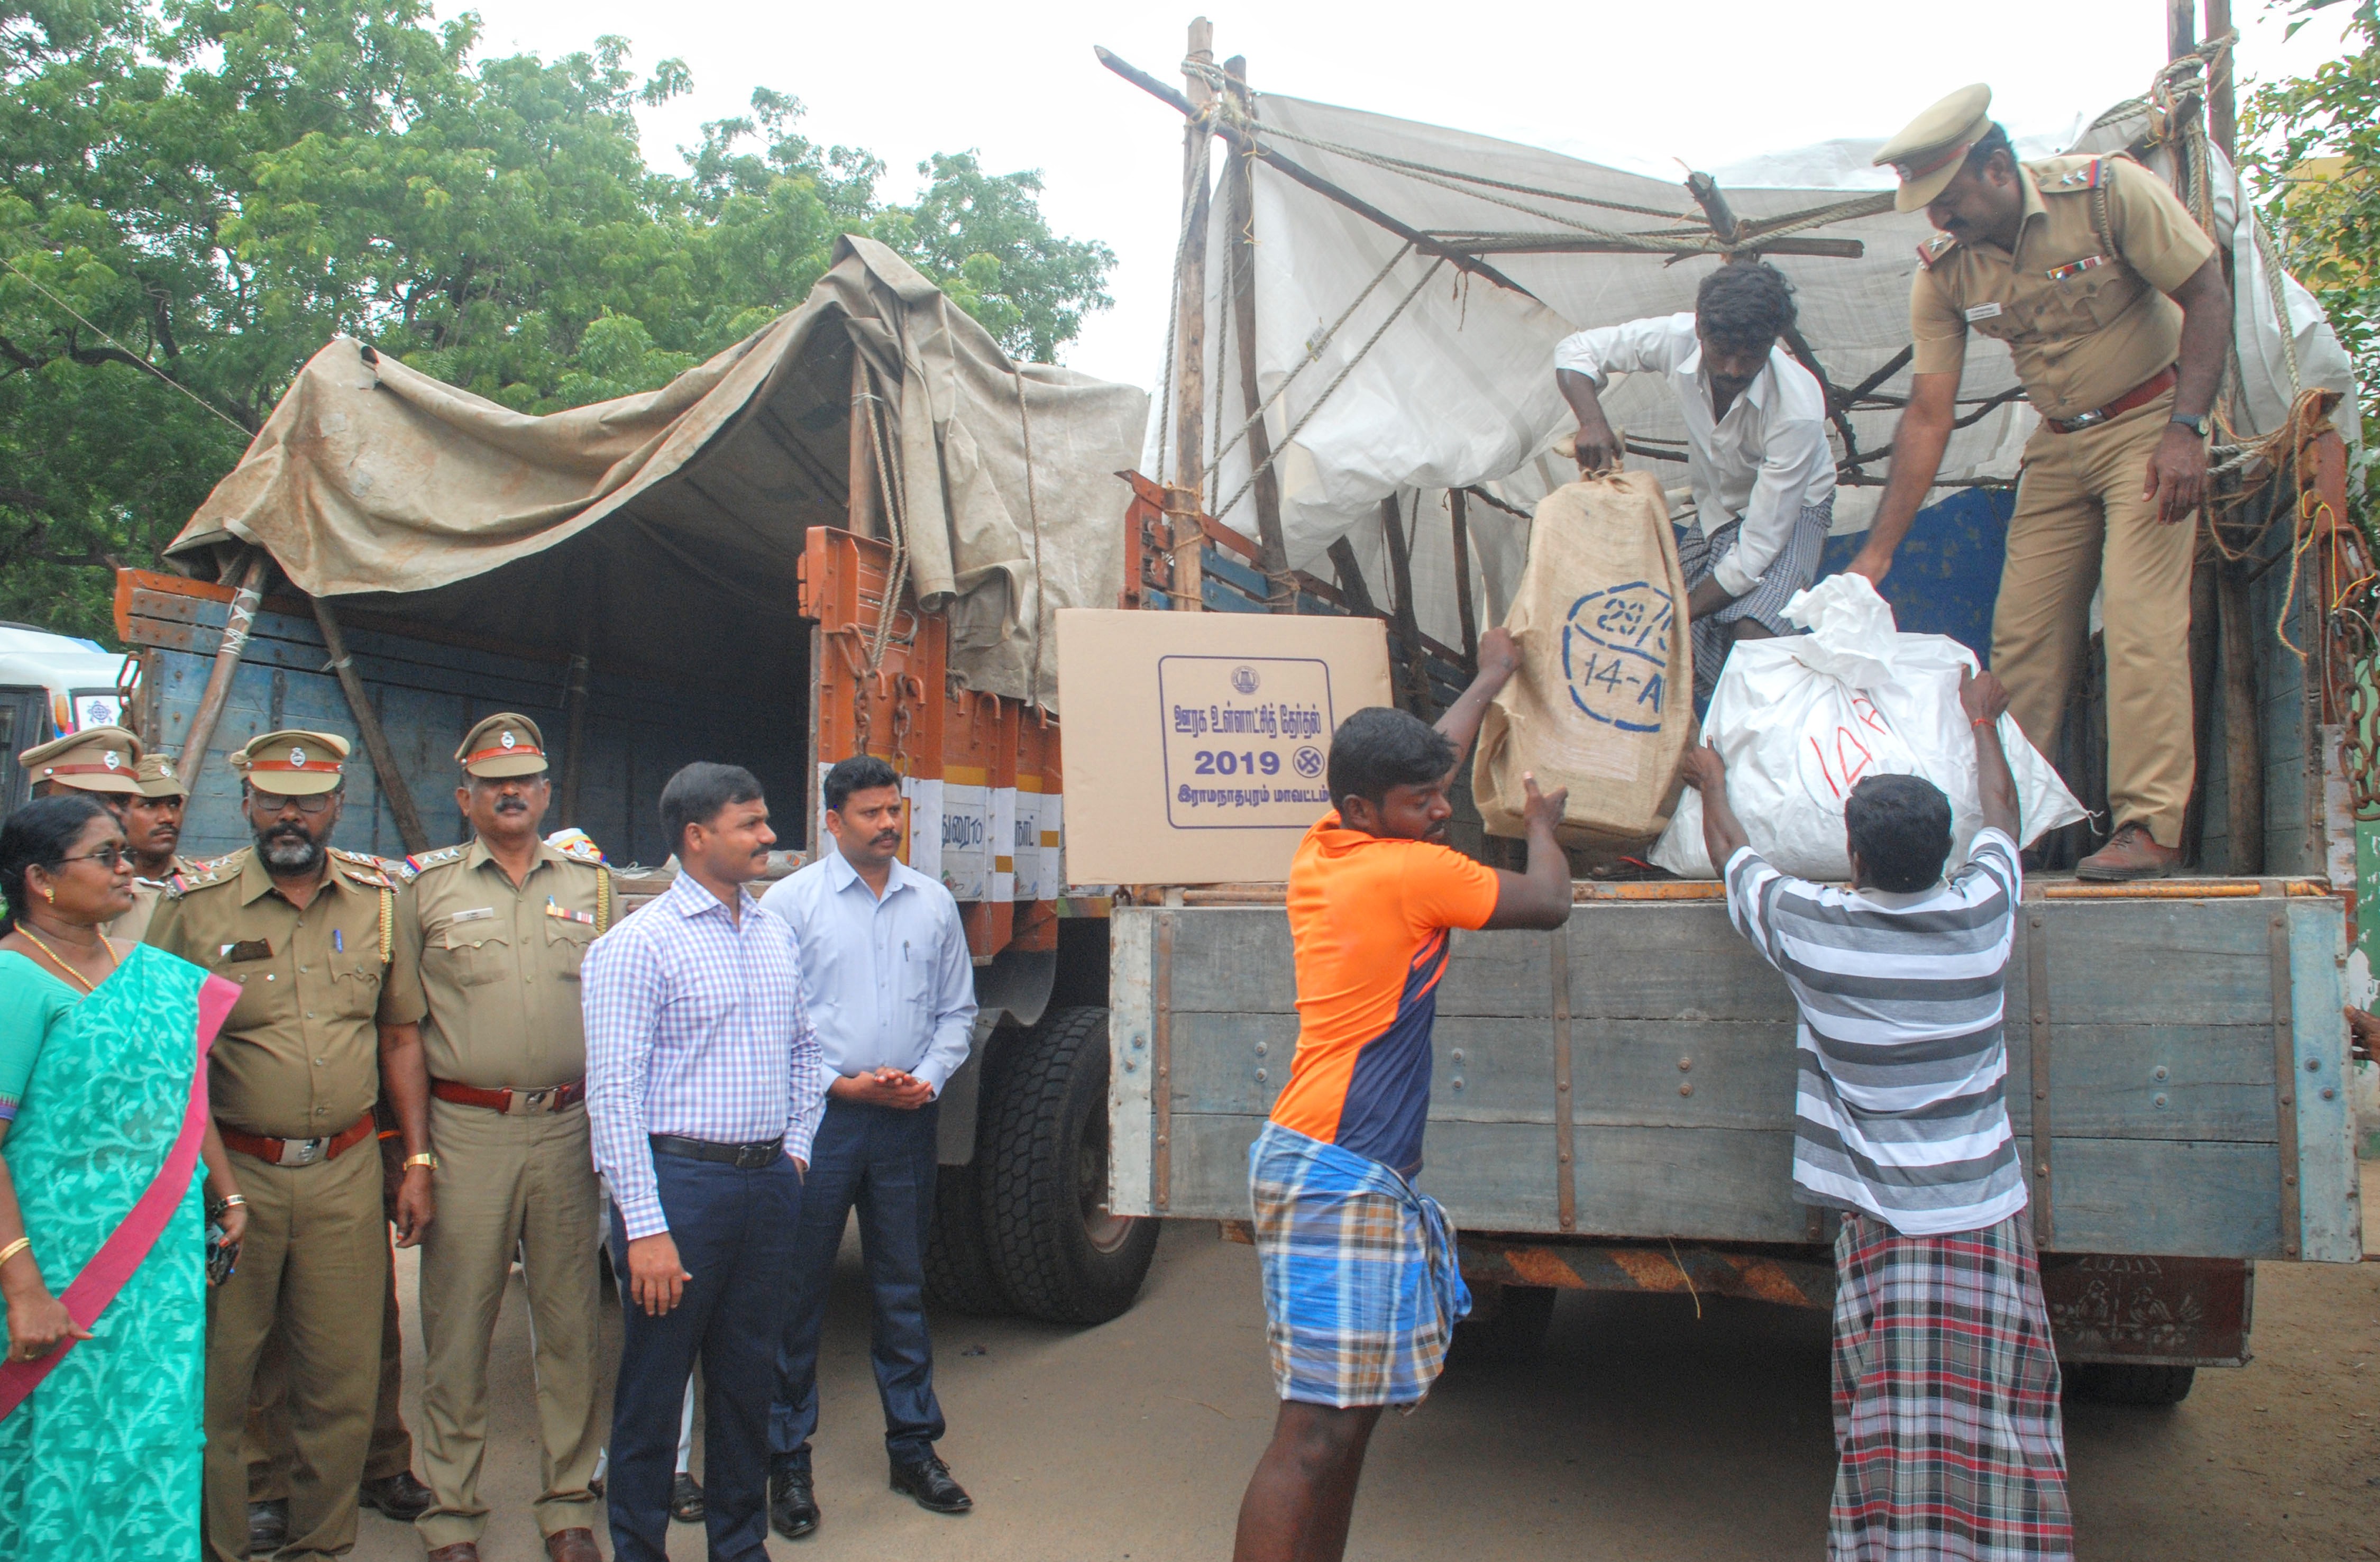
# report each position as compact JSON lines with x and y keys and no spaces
{"x":1604,"y":703}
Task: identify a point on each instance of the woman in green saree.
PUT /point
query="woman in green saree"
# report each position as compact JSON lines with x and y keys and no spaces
{"x":102,"y":1117}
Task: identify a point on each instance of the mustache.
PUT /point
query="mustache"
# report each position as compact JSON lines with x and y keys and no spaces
{"x":510,"y":803}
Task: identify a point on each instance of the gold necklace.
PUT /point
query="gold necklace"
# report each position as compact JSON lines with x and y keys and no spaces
{"x":88,"y":986}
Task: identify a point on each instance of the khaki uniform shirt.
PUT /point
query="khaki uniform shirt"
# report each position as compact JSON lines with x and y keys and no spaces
{"x":500,"y":964}
{"x":299,"y":1056}
{"x":133,"y":926}
{"x":2082,"y":302}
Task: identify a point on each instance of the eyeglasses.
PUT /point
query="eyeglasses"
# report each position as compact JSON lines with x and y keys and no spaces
{"x":274,"y":803}
{"x":108,"y":856}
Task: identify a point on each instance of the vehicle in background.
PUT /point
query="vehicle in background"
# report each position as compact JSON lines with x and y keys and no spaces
{"x":50,"y":685}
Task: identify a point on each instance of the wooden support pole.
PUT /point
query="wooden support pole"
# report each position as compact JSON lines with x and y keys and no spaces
{"x":2222,"y":95}
{"x":1459,"y":516}
{"x":574,"y":706}
{"x":246,"y":598}
{"x":1185,"y":497}
{"x":859,"y":456}
{"x":2180,"y":28}
{"x":2243,"y":746}
{"x":2203,"y":669}
{"x":1190,"y":304}
{"x":1238,"y":211}
{"x":1706,"y":192}
{"x":1350,"y":579}
{"x":1408,"y":626}
{"x":383,"y":758}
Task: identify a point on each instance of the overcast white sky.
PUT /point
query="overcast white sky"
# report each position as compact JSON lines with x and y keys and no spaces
{"x":1709,"y":81}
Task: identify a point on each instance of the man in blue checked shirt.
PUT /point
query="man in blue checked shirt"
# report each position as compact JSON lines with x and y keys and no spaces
{"x":886,"y":972}
{"x":703,"y":1087}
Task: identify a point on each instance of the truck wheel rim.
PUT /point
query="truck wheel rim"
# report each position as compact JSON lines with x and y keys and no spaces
{"x":1105,"y":1231}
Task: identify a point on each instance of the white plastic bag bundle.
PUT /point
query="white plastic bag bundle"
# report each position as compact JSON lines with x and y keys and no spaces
{"x":1801,"y":720}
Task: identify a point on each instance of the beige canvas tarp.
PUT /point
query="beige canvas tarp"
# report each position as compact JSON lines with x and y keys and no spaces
{"x":650,"y":527}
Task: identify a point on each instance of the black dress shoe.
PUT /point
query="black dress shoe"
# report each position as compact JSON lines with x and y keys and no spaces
{"x":687,"y":1504}
{"x":793,"y":1510}
{"x":929,"y":1482}
{"x":268,"y":1526}
{"x":399,"y":1496}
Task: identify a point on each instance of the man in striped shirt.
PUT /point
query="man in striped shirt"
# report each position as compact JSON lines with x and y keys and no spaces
{"x":703,"y":1092}
{"x":1945,"y":1375}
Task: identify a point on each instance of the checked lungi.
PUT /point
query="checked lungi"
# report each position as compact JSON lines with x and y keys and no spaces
{"x":1793,"y":568}
{"x":1362,"y":1289}
{"x":1946,"y":1399}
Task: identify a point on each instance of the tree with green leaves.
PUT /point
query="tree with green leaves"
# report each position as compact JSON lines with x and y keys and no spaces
{"x":196,"y":194}
{"x":2310,"y":147}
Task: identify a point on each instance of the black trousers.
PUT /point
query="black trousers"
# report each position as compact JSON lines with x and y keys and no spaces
{"x":880,"y":1160}
{"x":735,"y":1232}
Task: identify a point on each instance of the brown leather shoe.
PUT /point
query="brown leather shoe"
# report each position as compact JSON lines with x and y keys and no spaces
{"x":461,"y":1551}
{"x":2131,"y":853}
{"x":572,"y":1545}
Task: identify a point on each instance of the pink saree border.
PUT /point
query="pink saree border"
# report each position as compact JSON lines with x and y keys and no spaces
{"x":128,"y":1245}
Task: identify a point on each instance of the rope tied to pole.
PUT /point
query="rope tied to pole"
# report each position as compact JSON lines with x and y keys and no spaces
{"x":1340,"y":379}
{"x":1314,"y":346}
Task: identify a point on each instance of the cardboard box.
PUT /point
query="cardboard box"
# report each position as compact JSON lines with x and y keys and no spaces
{"x":1196,"y":743}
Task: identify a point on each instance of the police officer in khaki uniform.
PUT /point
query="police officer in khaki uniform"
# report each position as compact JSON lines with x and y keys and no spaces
{"x":2114,"y":307}
{"x":152,"y":828}
{"x":102,"y":760}
{"x":503,"y":922}
{"x":324,"y":945}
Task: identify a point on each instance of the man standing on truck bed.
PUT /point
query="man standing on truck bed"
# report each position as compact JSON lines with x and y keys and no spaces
{"x":2113,"y":305}
{"x":1763,"y":476}
{"x":1945,"y":1377}
{"x":1361,"y":1289}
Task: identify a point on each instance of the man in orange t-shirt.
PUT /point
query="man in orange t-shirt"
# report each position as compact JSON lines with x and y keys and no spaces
{"x":1361,"y":1288}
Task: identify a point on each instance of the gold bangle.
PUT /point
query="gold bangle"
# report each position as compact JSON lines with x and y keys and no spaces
{"x":424,"y":1159}
{"x":13,"y":1249}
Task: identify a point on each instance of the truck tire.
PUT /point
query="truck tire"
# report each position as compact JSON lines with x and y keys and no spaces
{"x":1514,"y":1332}
{"x":1057,"y":1252}
{"x":958,"y":1262}
{"x":2128,"y":1383}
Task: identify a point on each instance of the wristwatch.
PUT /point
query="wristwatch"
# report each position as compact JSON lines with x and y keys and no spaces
{"x":425,"y":1159}
{"x":2196,"y":425}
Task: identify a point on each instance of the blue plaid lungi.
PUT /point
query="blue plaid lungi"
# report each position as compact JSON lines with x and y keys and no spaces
{"x":1793,"y":569}
{"x":1362,"y":1288}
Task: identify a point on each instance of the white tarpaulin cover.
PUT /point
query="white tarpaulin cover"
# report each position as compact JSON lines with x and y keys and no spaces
{"x":1459,"y":388}
{"x":678,"y":514}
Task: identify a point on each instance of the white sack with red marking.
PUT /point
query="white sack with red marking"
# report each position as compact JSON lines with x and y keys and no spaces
{"x":1802,"y":719}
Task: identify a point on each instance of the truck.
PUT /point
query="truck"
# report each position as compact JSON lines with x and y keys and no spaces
{"x":1611,"y":1104}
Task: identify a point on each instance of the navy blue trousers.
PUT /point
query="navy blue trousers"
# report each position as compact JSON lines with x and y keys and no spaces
{"x":880,"y":1160}
{"x":734,"y":1234}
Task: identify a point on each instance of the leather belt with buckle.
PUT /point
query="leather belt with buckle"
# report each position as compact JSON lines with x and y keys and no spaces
{"x":552,"y":1098}
{"x":743,"y":1157}
{"x":2148,"y":390}
{"x":297,"y":1152}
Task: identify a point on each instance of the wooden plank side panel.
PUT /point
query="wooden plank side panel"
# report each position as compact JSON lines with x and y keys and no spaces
{"x":1131,"y":1015}
{"x":2205,"y":1200}
{"x":1234,"y":960}
{"x":2164,"y":1082}
{"x":2330,"y":1210}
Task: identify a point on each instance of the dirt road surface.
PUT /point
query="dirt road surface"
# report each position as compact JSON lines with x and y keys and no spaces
{"x":1643,"y":1431}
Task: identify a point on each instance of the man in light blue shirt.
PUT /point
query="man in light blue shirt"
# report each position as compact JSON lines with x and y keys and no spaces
{"x":891,"y":990}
